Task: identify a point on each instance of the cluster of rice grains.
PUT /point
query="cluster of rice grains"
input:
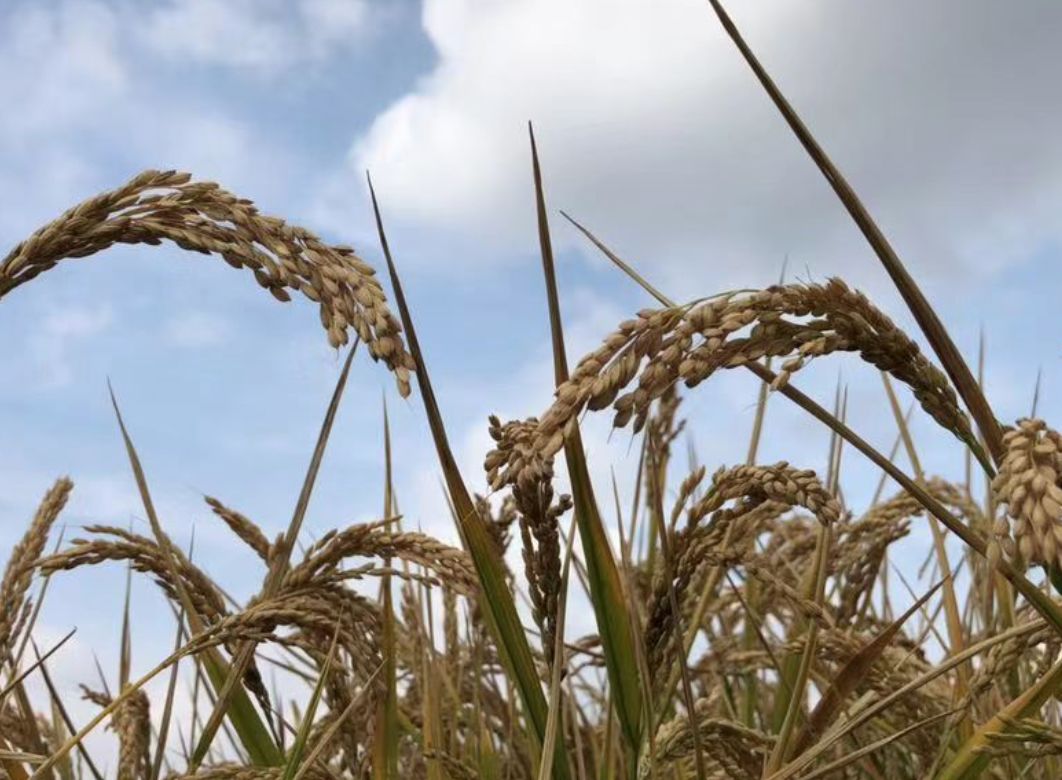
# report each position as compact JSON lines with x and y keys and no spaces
{"x":1028,"y":484}
{"x":755,"y":585}
{"x":689,"y":343}
{"x":158,"y":206}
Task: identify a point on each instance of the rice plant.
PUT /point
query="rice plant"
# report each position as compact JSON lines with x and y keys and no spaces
{"x":744,"y":619}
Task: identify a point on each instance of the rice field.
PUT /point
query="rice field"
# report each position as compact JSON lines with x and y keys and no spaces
{"x":745,"y":625}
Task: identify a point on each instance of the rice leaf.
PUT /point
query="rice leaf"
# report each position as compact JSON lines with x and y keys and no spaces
{"x":57,"y":702}
{"x":496,"y":599}
{"x":334,"y":727}
{"x":76,"y":739}
{"x":830,"y":769}
{"x":298,"y":747}
{"x":385,"y":737}
{"x":245,"y":719}
{"x":970,"y":760}
{"x":167,"y":707}
{"x":923,"y":312}
{"x":791,"y":700}
{"x":606,"y":591}
{"x":846,"y":680}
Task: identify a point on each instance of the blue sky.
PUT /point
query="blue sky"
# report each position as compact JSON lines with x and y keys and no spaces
{"x":651,"y":131}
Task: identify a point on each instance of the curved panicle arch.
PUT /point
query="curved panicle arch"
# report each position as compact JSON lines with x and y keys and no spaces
{"x":660,"y":347}
{"x":157,"y":206}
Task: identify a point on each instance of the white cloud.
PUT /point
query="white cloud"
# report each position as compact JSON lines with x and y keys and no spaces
{"x":196,"y":329}
{"x":331,"y":22}
{"x":93,"y":105}
{"x":257,"y":35}
{"x":60,"y":64}
{"x":77,"y":322}
{"x":654,"y":132}
{"x":52,"y":347}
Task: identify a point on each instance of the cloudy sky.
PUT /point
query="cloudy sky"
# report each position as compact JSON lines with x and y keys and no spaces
{"x":943,"y":115}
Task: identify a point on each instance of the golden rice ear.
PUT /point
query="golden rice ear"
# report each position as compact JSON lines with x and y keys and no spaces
{"x":1029,"y":486}
{"x":158,"y":206}
{"x":643,"y":358}
{"x":935,"y":332}
{"x":18,"y":574}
